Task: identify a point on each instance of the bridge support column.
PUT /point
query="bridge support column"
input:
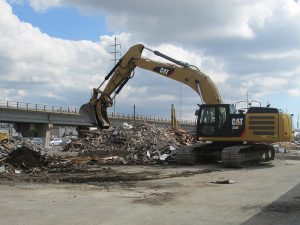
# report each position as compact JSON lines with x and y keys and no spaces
{"x":44,"y":130}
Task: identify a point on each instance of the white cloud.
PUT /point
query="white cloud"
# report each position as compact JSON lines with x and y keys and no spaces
{"x":46,"y":69}
{"x":229,"y":40}
{"x":129,"y":93}
{"x":281,"y":86}
{"x":18,"y":2}
{"x":228,"y":18}
{"x":42,"y":5}
{"x":34,"y":63}
{"x":275,"y":55}
{"x":244,"y":46}
{"x":294,"y":92}
{"x":163,"y":98}
{"x":208,"y":65}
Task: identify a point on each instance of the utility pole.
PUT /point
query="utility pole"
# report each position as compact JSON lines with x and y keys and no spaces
{"x":298,"y":121}
{"x":117,"y":50}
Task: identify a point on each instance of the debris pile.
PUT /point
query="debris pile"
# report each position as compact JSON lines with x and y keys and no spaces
{"x":288,"y":150}
{"x":182,"y":136}
{"x":4,"y":151}
{"x":4,"y":146}
{"x":139,"y":143}
{"x":288,"y":146}
{"x":17,"y":142}
{"x":25,"y":158}
{"x":14,"y":143}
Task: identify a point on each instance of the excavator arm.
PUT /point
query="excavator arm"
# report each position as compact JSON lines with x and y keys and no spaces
{"x":95,"y":111}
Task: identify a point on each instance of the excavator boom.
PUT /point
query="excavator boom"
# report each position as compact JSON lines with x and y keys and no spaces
{"x":95,"y":111}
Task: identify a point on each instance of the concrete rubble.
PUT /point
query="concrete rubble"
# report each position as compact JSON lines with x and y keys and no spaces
{"x":287,"y":146}
{"x":131,"y":144}
{"x":140,"y":143}
{"x":288,"y":150}
{"x":21,"y":154}
{"x":17,"y":142}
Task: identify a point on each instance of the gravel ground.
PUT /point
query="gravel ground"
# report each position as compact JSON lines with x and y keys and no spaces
{"x":265,"y":194}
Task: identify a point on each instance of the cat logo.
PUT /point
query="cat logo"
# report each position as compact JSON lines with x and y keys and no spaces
{"x":164,"y":70}
{"x":237,"y":123}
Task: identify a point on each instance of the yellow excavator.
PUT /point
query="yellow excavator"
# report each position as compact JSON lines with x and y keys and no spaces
{"x":228,"y":135}
{"x":3,"y":137}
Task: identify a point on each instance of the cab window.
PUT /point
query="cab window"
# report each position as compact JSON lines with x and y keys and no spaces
{"x":207,"y":116}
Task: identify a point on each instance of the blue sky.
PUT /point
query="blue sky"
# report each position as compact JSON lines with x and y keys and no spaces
{"x":64,"y":22}
{"x":56,"y":51}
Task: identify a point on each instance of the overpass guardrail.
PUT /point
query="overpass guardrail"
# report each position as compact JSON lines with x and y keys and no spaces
{"x":37,"y":107}
{"x":75,"y":111}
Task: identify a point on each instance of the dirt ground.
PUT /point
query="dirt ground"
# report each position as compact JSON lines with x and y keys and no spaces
{"x":162,"y":194}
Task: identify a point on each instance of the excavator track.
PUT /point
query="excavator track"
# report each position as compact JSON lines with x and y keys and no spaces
{"x":230,"y":156}
{"x":185,"y":155}
{"x":240,"y":155}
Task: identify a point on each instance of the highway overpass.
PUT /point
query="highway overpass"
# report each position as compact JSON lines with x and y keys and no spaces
{"x":27,"y":116}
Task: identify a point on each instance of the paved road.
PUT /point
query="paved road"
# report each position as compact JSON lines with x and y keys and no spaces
{"x":261,"y":195}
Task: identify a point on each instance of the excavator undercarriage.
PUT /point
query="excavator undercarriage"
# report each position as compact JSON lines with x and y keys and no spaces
{"x":229,"y":155}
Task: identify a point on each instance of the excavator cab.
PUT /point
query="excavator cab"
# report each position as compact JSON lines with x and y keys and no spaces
{"x":219,"y":120}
